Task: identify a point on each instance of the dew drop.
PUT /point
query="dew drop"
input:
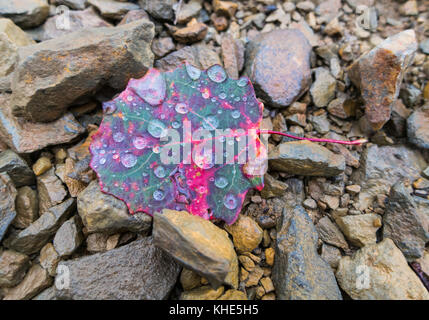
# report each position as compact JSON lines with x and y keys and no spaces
{"x":205,"y":94}
{"x":221,"y":182}
{"x":181,"y":108}
{"x":158,"y":195}
{"x":235,"y":114}
{"x":102,"y":161}
{"x":156,"y":149}
{"x":139,"y":143}
{"x":216,"y":73}
{"x":156,"y":128}
{"x":118,"y":136}
{"x":175,"y":124}
{"x":128,"y":160}
{"x":130,"y":98}
{"x":230,"y":201}
{"x":210,"y":123}
{"x":242,"y":82}
{"x":193,"y":72}
{"x":160,"y":172}
{"x":222,"y":95}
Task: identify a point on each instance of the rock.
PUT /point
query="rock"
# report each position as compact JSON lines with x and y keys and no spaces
{"x":33,"y":238}
{"x":137,"y":271}
{"x":111,"y":9}
{"x":233,"y":295}
{"x":49,"y":259}
{"x":246,"y":233}
{"x":309,"y":204}
{"x":202,"y":293}
{"x":299,"y":273}
{"x":379,"y":73}
{"x":381,"y":167}
{"x":189,"y":279}
{"x":42,"y":165}
{"x":75,"y":186}
{"x":101,"y":212}
{"x":278,"y":63}
{"x":47,"y":294}
{"x":269,"y":256}
{"x":306,"y":158}
{"x":25,"y":13}
{"x":159,"y":9}
{"x":342,"y":107}
{"x":360,"y":230}
{"x":197,"y":244}
{"x":247,"y":263}
{"x":27,"y":137}
{"x":27,"y":207}
{"x":7,"y":203}
{"x":330,"y":233}
{"x":417,"y":128}
{"x":199,"y":55}
{"x":320,"y":122}
{"x":77,"y":20}
{"x":68,"y":237}
{"x":193,"y":32}
{"x":353,"y":189}
{"x":188,"y":11}
{"x":134,"y":15}
{"x":272,"y":187}
{"x":227,"y":8}
{"x":51,"y":190}
{"x":73,"y":4}
{"x":162,"y":46}
{"x":44,"y":98}
{"x":331,"y":255}
{"x":327,"y":10}
{"x":36,"y":280}
{"x":17,"y":169}
{"x":424,"y":46}
{"x":13,"y":266}
{"x":96,"y":242}
{"x":267,"y":283}
{"x":219,"y":22}
{"x":254,"y":276}
{"x":11,"y":37}
{"x":323,"y":89}
{"x":232,"y":55}
{"x":410,"y":95}
{"x":379,"y":272}
{"x":405,"y":222}
{"x":409,"y":8}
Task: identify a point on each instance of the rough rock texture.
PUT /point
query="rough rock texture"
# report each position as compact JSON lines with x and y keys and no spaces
{"x":417,"y":127}
{"x":379,"y":73}
{"x":272,"y":187}
{"x":193,"y":32}
{"x":198,"y":244}
{"x":81,"y":66}
{"x":17,"y":169}
{"x":160,"y":9}
{"x":7,"y":203}
{"x":27,"y":207}
{"x":379,"y":272}
{"x":25,"y":13}
{"x":73,"y":4}
{"x":330,"y":233}
{"x":306,"y":158}
{"x":202,"y":293}
{"x":101,"y":212}
{"x":133,"y":272}
{"x":278,"y":63}
{"x":49,"y":259}
{"x":299,"y":272}
{"x":233,"y":56}
{"x":33,"y":238}
{"x":361,"y":229}
{"x":111,"y":9}
{"x":406,"y":223}
{"x":13,"y":266}
{"x":381,"y":167}
{"x":51,"y":190}
{"x":246,"y":233}
{"x":323,"y":88}
{"x":68,"y":237}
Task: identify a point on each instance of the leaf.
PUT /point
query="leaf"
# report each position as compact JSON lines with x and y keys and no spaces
{"x":130,"y":146}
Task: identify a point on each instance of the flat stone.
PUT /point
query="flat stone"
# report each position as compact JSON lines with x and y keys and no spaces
{"x":406,"y":223}
{"x":25,"y":13}
{"x":272,"y":187}
{"x":232,"y":55}
{"x":7,"y":203}
{"x":383,"y":274}
{"x":278,"y":63}
{"x":188,"y":11}
{"x":227,"y":8}
{"x":202,"y":293}
{"x":111,"y":9}
{"x":17,"y":169}
{"x":134,"y":15}
{"x":13,"y":266}
{"x":75,"y":186}
{"x":68,"y":237}
{"x":246,"y":233}
{"x":42,"y":165}
{"x":193,"y":32}
{"x":101,"y":212}
{"x":27,"y":207}
{"x":137,"y":271}
{"x":379,"y":73}
{"x":323,"y":88}
{"x":51,"y":190}
{"x":361,"y":229}
{"x":41,"y":99}
{"x":417,"y":128}
{"x":159,"y":9}
{"x":306,"y":158}
{"x":96,"y":242}
{"x":330,"y":233}
{"x":49,"y":259}
{"x":299,"y":272}
{"x":197,"y":244}
{"x":33,"y":238}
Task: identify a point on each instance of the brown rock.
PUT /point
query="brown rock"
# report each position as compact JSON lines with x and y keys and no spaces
{"x":51,"y":190}
{"x":162,"y":46}
{"x":27,"y":207}
{"x":13,"y":266}
{"x":273,"y":187}
{"x":189,"y":279}
{"x":417,"y":127}
{"x":220,"y":22}
{"x":232,"y":55}
{"x":233,"y":294}
{"x":330,"y":233}
{"x":188,"y":11}
{"x":202,"y":293}
{"x":96,"y":242}
{"x":25,"y":13}
{"x":134,"y":15}
{"x":227,"y":8}
{"x":111,"y":9}
{"x":246,"y":233}
{"x":7,"y":203}
{"x":267,"y":283}
{"x":42,"y":165}
{"x":360,"y":229}
{"x":74,"y":186}
{"x":269,"y":256}
{"x":49,"y":259}
{"x":193,"y":32}
{"x":254,"y":277}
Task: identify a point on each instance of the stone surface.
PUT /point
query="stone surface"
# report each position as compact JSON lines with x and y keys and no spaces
{"x":202,"y":293}
{"x":101,"y":212}
{"x":13,"y":266}
{"x":71,"y":171}
{"x":162,"y":46}
{"x":331,"y":255}
{"x":137,"y":271}
{"x":51,"y":190}
{"x":25,"y":13}
{"x":68,"y":237}
{"x":134,"y":15}
{"x":306,"y":158}
{"x":323,"y":88}
{"x":388,"y":275}
{"x":159,"y":9}
{"x":379,"y":73}
{"x":49,"y":259}
{"x":246,"y":233}
{"x":299,"y":272}
{"x":27,"y":207}
{"x":278,"y":63}
{"x":360,"y":230}
{"x":417,"y":127}
{"x":36,"y":280}
{"x":111,"y":9}
{"x":193,"y":32}
{"x":330,"y":233}
{"x":81,"y":67}
{"x":189,"y":279}
{"x":381,"y":167}
{"x":33,"y":238}
{"x":405,"y":222}
{"x":7,"y":203}
{"x":188,"y":11}
{"x":73,"y":4}
{"x":42,"y":165}
{"x":17,"y":169}
{"x":197,"y":244}
{"x":233,"y":295}
{"x":272,"y":187}
{"x":232,"y":55}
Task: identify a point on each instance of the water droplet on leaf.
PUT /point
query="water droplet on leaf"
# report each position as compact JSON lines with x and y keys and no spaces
{"x":242,"y":82}
{"x":230,"y":201}
{"x":221,"y":182}
{"x":160,"y":172}
{"x":118,"y":137}
{"x":157,"y":128}
{"x":139,"y":143}
{"x":193,"y":72}
{"x":216,"y":73}
{"x":128,"y":160}
{"x":158,"y":195}
{"x":181,"y":108}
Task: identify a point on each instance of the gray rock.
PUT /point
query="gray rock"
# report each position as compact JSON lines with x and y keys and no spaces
{"x":51,"y":190}
{"x":13,"y":266}
{"x":410,"y":95}
{"x":330,"y":233}
{"x":47,"y":294}
{"x":25,"y":13}
{"x":306,"y":158}
{"x":111,"y":9}
{"x":33,"y":238}
{"x":101,"y":212}
{"x":381,"y":167}
{"x":320,"y":123}
{"x":331,"y":254}
{"x":323,"y":89}
{"x":27,"y":207}
{"x":299,"y":272}
{"x":44,"y":98}
{"x":406,"y":223}
{"x":417,"y":127}
{"x":138,"y":271}
{"x":7,"y":203}
{"x":68,"y":237}
{"x":424,"y":46}
{"x":159,"y":9}
{"x":17,"y":169}
{"x":73,"y":4}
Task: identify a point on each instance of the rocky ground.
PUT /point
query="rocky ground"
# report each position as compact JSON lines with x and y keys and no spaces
{"x":333,"y":221}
